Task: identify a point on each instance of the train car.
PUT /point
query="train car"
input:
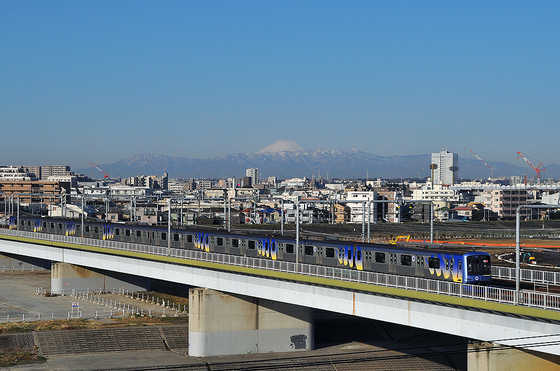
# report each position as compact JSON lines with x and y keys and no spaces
{"x":454,"y":266}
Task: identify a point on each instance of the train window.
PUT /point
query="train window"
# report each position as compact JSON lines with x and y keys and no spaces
{"x":359,"y":255}
{"x":289,"y":248}
{"x":138,"y":234}
{"x":189,"y":238}
{"x":329,"y":252}
{"x":252,"y":245}
{"x":422,"y":262}
{"x":459,"y":265}
{"x":95,"y":229}
{"x":451,"y":264}
{"x":446,"y":264}
{"x":52,"y":225}
{"x":406,"y":260}
{"x":59,"y":225}
{"x":117,"y":232}
{"x":308,"y":250}
{"x":153,"y":235}
{"x":478,"y":265}
{"x":163,"y":236}
{"x":418,"y":261}
{"x":44,"y":224}
{"x":349,"y":254}
{"x":127,"y":232}
{"x":220,"y":241}
{"x":234,"y":242}
{"x":433,"y":263}
{"x":380,"y":257}
{"x":87,"y":228}
{"x":29,"y":223}
{"x":22,"y":222}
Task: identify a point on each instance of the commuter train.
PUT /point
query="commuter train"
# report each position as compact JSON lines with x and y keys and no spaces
{"x":417,"y":261}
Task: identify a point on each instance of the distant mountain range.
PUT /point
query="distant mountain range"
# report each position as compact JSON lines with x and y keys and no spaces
{"x":285,"y":159}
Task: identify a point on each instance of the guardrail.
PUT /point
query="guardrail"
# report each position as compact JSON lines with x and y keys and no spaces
{"x":486,"y":293}
{"x":527,"y":275}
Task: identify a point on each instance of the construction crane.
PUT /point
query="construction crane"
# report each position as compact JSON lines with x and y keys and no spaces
{"x":538,"y":169}
{"x":105,"y":175}
{"x":484,"y":162}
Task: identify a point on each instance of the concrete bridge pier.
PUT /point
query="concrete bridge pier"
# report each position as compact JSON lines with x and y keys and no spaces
{"x":486,"y":356}
{"x":227,"y":324}
{"x":67,"y":277}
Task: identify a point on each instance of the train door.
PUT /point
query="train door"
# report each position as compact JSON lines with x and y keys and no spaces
{"x":419,"y":265}
{"x":392,"y":263}
{"x":175,"y":240}
{"x":273,"y":250}
{"x":459,"y":268}
{"x":266,"y":248}
{"x":358,"y":258}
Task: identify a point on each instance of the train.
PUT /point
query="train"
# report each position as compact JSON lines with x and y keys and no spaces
{"x":469,"y":267}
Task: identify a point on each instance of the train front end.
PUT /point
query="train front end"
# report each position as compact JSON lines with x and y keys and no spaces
{"x":479,"y":267}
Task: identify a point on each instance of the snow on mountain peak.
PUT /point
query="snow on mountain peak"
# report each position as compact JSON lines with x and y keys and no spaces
{"x":282,"y":146}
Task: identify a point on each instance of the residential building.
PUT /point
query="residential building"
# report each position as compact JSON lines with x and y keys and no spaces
{"x":253,"y":173}
{"x":12,"y":173}
{"x":440,"y":195}
{"x":43,"y":172}
{"x":505,"y":201}
{"x":359,"y":206}
{"x":341,"y":214}
{"x":444,"y":167}
{"x":46,"y":192}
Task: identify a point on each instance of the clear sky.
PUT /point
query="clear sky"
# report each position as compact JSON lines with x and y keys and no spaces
{"x":100,"y":81}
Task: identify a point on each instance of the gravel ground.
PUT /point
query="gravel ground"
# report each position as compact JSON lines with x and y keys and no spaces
{"x":18,"y":298}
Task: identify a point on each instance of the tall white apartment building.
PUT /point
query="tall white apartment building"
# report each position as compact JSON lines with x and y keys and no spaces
{"x":253,"y":174}
{"x":359,"y":206}
{"x":444,"y":167}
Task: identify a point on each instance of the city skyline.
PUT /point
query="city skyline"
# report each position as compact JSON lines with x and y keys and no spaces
{"x":98,"y":82}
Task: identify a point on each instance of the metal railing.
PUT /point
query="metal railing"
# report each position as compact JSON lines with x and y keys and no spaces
{"x":527,"y":298}
{"x":527,"y":275}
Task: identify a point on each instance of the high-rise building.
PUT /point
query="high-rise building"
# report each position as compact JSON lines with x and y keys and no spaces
{"x":444,"y":167}
{"x":44,"y":172}
{"x":253,"y":174}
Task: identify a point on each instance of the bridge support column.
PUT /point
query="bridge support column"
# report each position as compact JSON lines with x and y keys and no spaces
{"x":225,"y":324}
{"x":67,"y":277}
{"x":494,"y":357}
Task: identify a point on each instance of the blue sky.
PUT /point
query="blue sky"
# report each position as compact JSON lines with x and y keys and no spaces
{"x":100,"y":81}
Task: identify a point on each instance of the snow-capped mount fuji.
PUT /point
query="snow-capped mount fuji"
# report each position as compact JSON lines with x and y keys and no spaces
{"x":282,"y":146}
{"x":286,"y":159}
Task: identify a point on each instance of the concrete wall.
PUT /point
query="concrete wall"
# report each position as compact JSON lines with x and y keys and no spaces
{"x":223,"y":324}
{"x":493,"y":357}
{"x":67,"y":277}
{"x":19,"y":263}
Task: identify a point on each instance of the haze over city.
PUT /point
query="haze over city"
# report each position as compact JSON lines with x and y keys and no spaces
{"x":103,"y":81}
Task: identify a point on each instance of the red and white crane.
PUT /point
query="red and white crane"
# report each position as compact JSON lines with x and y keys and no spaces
{"x":484,"y":162}
{"x":105,"y":175}
{"x":538,"y":169}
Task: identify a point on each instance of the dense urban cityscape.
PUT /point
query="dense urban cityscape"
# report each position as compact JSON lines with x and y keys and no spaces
{"x":253,"y":200}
